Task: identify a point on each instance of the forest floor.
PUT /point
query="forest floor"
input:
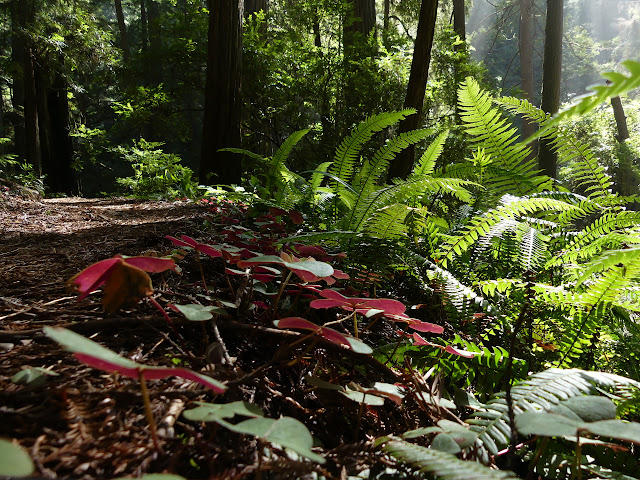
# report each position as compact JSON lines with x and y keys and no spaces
{"x":88,"y":424}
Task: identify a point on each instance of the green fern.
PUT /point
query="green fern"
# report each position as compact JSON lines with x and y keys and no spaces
{"x":619,"y":84}
{"x":492,"y":132}
{"x":439,"y":464}
{"x":480,"y":225}
{"x":347,"y":153}
{"x":539,"y":392}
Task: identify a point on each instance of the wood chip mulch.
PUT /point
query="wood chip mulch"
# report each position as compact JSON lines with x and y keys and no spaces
{"x":83,"y":423}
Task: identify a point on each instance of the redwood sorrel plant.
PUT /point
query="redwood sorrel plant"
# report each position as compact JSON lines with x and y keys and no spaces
{"x":97,"y":356}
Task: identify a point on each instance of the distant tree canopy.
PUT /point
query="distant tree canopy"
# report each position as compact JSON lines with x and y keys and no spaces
{"x":84,"y":80}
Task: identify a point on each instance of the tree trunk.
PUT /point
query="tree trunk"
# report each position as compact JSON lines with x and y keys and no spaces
{"x":402,"y":165}
{"x":222,"y":108}
{"x":144,"y":28}
{"x":155,"y":43}
{"x":459,"y":24}
{"x":385,"y":23}
{"x":255,"y":6}
{"x":17,"y":90}
{"x":358,"y":23}
{"x":122,"y":28}
{"x":551,"y":74}
{"x":32,"y":131}
{"x":621,"y":119}
{"x":525,"y":42}
{"x":317,"y":39}
{"x":59,"y":157}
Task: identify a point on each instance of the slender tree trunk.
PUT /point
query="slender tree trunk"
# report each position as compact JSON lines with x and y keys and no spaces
{"x":385,"y":23}
{"x":459,"y":23}
{"x":144,"y":28}
{"x":621,"y":119}
{"x":60,"y":175}
{"x":18,"y":48}
{"x":525,"y":42}
{"x":402,"y":165}
{"x":155,"y":43}
{"x":358,"y":24}
{"x":255,"y":6}
{"x":122,"y":28}
{"x":551,"y":74}
{"x":32,"y":131}
{"x":317,"y":38}
{"x":222,"y":109}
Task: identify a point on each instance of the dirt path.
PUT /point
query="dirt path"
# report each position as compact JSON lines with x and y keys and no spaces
{"x":83,"y":423}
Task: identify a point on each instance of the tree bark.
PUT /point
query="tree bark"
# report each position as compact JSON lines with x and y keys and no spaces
{"x":402,"y":165}
{"x":222,"y":109}
{"x":17,"y":87}
{"x":551,"y":75}
{"x":59,"y":157}
{"x":459,"y":23}
{"x":621,"y":119}
{"x":32,"y":131}
{"x":122,"y":28}
{"x":525,"y":42}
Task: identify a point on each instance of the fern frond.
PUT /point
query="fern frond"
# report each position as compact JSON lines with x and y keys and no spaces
{"x":365,"y":180}
{"x":586,"y":171}
{"x":493,"y":133}
{"x":619,"y":85}
{"x":541,"y":391}
{"x":457,"y":294}
{"x":242,"y":151}
{"x":388,"y":222}
{"x":349,"y":149}
{"x":282,"y":154}
{"x":481,"y":224}
{"x":439,"y":464}
{"x":427,"y":162}
{"x":602,"y":226}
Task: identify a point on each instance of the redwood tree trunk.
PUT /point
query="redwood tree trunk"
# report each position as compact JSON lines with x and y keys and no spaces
{"x":402,"y":165}
{"x":525,"y":42}
{"x":459,"y":24}
{"x":621,"y":119}
{"x":222,"y":108}
{"x":122,"y":28}
{"x":551,"y":74}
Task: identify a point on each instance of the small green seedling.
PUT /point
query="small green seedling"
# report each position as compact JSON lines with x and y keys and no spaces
{"x":285,"y":431}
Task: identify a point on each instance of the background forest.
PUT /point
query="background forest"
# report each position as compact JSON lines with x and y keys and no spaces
{"x":437,"y":160}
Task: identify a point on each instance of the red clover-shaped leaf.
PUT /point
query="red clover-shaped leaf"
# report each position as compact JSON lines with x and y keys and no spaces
{"x":418,"y":340}
{"x":190,"y":242}
{"x":97,"y":356}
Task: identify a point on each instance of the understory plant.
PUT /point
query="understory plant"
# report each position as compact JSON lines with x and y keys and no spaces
{"x":526,"y":295}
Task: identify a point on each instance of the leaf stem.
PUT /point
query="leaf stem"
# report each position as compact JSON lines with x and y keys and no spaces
{"x":147,"y":410}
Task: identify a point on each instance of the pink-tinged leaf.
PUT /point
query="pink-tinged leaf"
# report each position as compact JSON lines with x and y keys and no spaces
{"x":325,"y":303}
{"x":151,"y":264}
{"x":460,"y":352}
{"x":276,"y":212}
{"x":333,"y":295}
{"x":302,"y":268}
{"x":296,"y":217}
{"x":304,"y":324}
{"x":426,"y":327}
{"x":418,"y":340}
{"x":416,"y":324}
{"x":181,"y":243}
{"x":208,"y":250}
{"x":340,"y":275}
{"x":97,"y":356}
{"x":335,"y":299}
{"x":92,"y":277}
{"x":261,"y":304}
{"x":310,"y":250}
